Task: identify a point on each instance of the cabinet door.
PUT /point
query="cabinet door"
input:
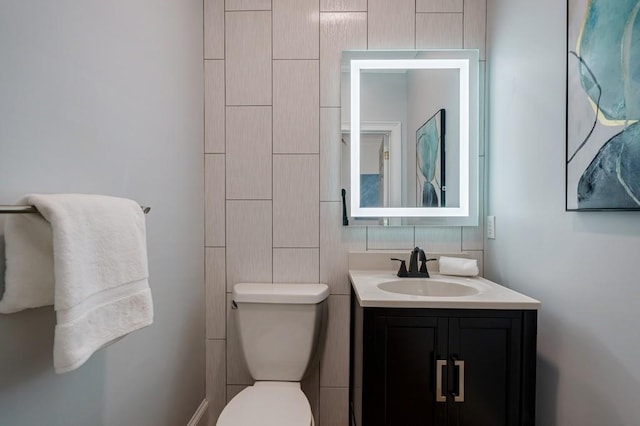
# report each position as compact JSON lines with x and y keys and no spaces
{"x":484,"y":356}
{"x":401,"y":389}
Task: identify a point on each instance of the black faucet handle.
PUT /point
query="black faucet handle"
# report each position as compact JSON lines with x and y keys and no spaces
{"x":418,"y":254}
{"x":423,"y":264}
{"x":413,"y":261}
{"x":402,"y":272}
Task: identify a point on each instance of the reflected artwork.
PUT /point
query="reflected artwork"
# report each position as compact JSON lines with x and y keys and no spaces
{"x":430,"y":162}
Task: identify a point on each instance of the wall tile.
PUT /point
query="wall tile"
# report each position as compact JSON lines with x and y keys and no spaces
{"x":475,"y":23}
{"x":296,"y":100}
{"x":248,"y":58}
{"x":296,"y":265}
{"x":249,"y":242}
{"x":384,"y":238}
{"x":295,"y":29}
{"x":334,"y":363}
{"x":296,"y":215}
{"x":335,"y":242}
{"x":338,"y":32}
{"x":445,"y":239}
{"x":439,"y":30}
{"x":248,"y":152}
{"x":214,"y":185}
{"x":473,"y":236}
{"x":215,"y":292}
{"x":438,"y":5}
{"x":233,"y":390}
{"x":311,"y":387}
{"x":343,"y":5}
{"x":237,"y":370}
{"x":214,"y":29}
{"x":214,"y":106}
{"x":247,"y":5}
{"x":391,"y":25}
{"x":273,"y":230}
{"x":330,"y":154}
{"x":479,"y":255}
{"x":334,"y":406}
{"x":206,"y":420}
{"x":216,"y":377}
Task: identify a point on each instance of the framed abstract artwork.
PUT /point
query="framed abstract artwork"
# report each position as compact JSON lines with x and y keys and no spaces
{"x":430,"y":162}
{"x":603,"y":105}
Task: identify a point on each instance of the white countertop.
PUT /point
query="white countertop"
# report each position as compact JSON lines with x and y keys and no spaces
{"x":490,"y":295}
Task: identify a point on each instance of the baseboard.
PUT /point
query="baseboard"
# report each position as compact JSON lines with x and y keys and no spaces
{"x":199,"y":415}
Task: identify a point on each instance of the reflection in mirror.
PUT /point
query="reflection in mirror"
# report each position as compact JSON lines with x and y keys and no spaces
{"x":409,"y":143}
{"x":431,"y":186}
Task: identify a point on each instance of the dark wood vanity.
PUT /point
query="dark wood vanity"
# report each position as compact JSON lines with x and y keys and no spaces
{"x":441,"y":367}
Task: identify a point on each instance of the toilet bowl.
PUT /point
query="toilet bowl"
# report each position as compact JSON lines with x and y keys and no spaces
{"x":279,"y":327}
{"x":268,"y":404}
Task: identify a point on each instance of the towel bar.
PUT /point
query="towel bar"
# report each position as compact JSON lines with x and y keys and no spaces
{"x":32,"y":209}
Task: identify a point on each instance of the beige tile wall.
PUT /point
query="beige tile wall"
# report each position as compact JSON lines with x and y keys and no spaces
{"x":272,"y":155}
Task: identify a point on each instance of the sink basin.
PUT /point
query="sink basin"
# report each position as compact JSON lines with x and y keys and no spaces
{"x":429,"y":287}
{"x":375,"y":288}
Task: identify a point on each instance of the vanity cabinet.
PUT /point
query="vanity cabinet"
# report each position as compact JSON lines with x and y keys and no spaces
{"x":440,"y":367}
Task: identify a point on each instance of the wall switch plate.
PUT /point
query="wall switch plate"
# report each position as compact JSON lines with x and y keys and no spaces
{"x":491,"y":227}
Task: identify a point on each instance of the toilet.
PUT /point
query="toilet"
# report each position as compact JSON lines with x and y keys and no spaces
{"x":279,"y":326}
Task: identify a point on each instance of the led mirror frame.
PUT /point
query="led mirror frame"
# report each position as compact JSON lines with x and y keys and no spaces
{"x":463,"y":65}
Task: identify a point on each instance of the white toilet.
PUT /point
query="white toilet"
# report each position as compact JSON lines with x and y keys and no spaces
{"x":279,"y":327}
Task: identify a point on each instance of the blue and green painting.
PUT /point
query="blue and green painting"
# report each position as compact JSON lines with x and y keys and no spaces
{"x":608,"y":65}
{"x":429,"y":155}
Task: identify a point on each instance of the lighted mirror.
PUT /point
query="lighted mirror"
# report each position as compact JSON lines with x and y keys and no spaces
{"x":410,"y":137}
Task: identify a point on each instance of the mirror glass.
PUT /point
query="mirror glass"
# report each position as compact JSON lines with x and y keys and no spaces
{"x":410,"y":137}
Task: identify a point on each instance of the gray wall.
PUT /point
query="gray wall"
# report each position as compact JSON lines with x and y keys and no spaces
{"x":582,"y":266}
{"x":107,"y":97}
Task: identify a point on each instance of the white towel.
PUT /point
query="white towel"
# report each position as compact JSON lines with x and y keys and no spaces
{"x":87,"y":256}
{"x":458,"y":266}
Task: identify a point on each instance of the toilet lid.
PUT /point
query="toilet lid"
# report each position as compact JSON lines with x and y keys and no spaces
{"x":268,"y":404}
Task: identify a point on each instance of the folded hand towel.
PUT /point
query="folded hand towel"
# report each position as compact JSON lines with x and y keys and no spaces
{"x":458,"y":266}
{"x":86,"y":255}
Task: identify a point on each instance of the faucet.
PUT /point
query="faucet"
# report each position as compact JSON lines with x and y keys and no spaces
{"x":413,"y":261}
{"x":417,"y":254}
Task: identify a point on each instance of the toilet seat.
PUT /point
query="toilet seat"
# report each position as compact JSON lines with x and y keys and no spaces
{"x":268,"y":404}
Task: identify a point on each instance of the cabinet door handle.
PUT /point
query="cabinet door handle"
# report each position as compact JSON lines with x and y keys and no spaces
{"x":440,"y":364}
{"x":459,"y":397}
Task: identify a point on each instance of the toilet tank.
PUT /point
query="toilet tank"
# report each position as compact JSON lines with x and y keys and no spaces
{"x":279,"y":327}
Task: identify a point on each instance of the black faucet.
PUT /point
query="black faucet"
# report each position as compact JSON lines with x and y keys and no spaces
{"x":417,"y":254}
{"x":413,"y":261}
